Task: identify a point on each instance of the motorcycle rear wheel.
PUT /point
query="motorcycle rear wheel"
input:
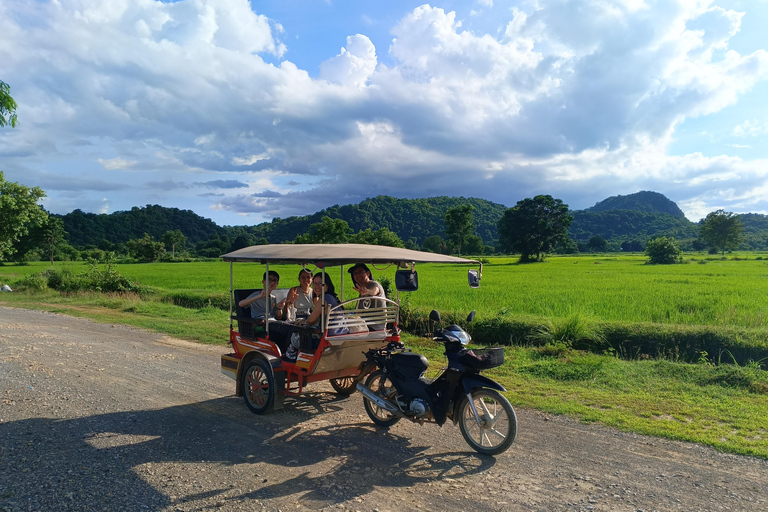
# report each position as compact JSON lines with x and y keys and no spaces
{"x":498,"y":423}
{"x":383,"y":387}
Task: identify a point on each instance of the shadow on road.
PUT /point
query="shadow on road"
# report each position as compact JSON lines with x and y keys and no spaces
{"x":152,"y":459}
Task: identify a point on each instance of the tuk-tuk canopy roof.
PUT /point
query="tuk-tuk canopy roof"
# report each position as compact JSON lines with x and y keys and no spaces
{"x":331,"y":255}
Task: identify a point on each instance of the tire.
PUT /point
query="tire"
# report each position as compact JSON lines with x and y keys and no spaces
{"x":383,"y":387}
{"x":344,"y":386}
{"x":258,"y":386}
{"x":499,"y":422}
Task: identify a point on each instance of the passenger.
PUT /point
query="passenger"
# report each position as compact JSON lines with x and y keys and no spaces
{"x":367,"y":287}
{"x":299,"y":297}
{"x":317,"y":290}
{"x":314,"y":318}
{"x":258,"y":300}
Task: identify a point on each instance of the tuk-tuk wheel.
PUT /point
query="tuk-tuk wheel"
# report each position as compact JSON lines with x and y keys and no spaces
{"x":258,"y":386}
{"x":344,"y":385}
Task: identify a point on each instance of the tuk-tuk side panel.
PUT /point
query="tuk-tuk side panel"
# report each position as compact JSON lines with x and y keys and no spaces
{"x":346,"y":355}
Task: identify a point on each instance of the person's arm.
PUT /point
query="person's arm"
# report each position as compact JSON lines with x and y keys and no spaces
{"x":316,"y":310}
{"x":251,"y":298}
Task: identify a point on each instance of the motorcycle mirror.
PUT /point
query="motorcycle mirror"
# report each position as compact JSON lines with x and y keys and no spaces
{"x":473,"y":276}
{"x":434,"y":315}
{"x":471,"y":316}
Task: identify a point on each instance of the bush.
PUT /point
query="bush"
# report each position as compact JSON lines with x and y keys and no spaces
{"x":663,"y":251}
{"x":33,"y":282}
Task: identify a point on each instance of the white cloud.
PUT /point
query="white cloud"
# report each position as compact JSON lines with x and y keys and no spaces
{"x":579,"y":99}
{"x":116,"y":163}
{"x":355,"y":64}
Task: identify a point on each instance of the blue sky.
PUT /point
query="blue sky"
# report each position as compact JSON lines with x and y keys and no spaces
{"x":245,"y":111}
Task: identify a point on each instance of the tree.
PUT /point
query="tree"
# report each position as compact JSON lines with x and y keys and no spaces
{"x":381,"y":236}
{"x":722,"y":230}
{"x":146,"y":248}
{"x":434,"y":243}
{"x":534,"y":226}
{"x":172,"y":239}
{"x":597,"y":244}
{"x":458,"y":225}
{"x":327,"y":231}
{"x":662,"y":251}
{"x":474,"y":245}
{"x":18,"y":212}
{"x":53,"y":235}
{"x":7,"y":106}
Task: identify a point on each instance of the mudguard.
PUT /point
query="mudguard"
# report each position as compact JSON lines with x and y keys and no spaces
{"x":479,"y":381}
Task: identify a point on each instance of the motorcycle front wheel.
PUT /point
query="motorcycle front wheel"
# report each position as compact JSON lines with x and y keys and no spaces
{"x":495,"y":427}
{"x":383,"y":387}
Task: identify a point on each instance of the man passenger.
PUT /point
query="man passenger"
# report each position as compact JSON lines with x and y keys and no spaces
{"x":368,"y":288}
{"x":258,"y":300}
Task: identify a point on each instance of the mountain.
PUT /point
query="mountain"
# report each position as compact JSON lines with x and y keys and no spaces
{"x":644,"y":201}
{"x":414,"y":219}
{"x":93,"y":229}
{"x":635,"y":217}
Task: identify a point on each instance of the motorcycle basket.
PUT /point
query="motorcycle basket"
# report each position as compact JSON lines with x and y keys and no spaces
{"x":483,"y":358}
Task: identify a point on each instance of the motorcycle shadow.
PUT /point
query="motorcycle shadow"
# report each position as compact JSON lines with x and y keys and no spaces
{"x":362,"y":458}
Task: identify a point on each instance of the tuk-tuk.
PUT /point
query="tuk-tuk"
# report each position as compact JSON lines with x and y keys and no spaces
{"x":334,"y":350}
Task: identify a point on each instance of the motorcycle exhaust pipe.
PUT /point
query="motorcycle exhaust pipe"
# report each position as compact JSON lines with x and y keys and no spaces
{"x":376,"y":399}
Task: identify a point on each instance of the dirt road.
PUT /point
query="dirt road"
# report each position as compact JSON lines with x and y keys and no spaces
{"x":106,"y":417}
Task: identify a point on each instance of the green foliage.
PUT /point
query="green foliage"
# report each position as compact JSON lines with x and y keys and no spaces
{"x":644,"y":201}
{"x":7,"y":106}
{"x":327,"y":231}
{"x":146,"y":249}
{"x":19,"y":212}
{"x":381,"y":236}
{"x":458,"y":225}
{"x":572,"y":331}
{"x":663,"y":251}
{"x":597,"y":244}
{"x":434,"y":243}
{"x":722,"y":230}
{"x":173,"y":239}
{"x":534,"y":226}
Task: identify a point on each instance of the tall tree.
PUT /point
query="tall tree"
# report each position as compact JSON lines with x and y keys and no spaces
{"x":18,"y":212}
{"x":327,"y":231}
{"x":173,"y":239}
{"x":722,"y":230}
{"x":53,"y":235}
{"x":534,"y":226}
{"x":7,"y":106}
{"x":458,"y":224}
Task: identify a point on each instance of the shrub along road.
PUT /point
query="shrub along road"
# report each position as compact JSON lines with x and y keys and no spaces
{"x":106,"y":417}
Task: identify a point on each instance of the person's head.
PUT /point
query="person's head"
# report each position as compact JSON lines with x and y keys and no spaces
{"x":274,"y":279}
{"x":305,"y":278}
{"x":360,"y":274}
{"x":317,"y":284}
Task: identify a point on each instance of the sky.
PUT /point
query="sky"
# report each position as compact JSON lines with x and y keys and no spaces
{"x":246,"y":111}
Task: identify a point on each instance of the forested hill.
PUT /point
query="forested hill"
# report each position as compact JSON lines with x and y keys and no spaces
{"x":644,"y":201}
{"x":91,"y":229}
{"x":635,"y":217}
{"x":409,"y":218}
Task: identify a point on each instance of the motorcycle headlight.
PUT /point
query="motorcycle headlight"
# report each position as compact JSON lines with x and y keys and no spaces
{"x":457,"y":336}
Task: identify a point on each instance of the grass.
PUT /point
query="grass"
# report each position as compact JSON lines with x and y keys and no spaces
{"x":723,"y":406}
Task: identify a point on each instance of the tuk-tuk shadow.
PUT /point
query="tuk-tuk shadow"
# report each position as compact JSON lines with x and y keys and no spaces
{"x":126,"y":452}
{"x":364,"y":457}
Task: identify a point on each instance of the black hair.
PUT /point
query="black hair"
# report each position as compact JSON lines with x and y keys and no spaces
{"x":272,"y":273}
{"x":331,"y":289}
{"x":305,"y":270}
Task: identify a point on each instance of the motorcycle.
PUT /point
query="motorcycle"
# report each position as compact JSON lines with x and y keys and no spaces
{"x":399,"y":389}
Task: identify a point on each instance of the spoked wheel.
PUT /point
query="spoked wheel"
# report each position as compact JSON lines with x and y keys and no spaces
{"x":383,"y":387}
{"x":497,"y":426}
{"x":344,"y":385}
{"x":259,"y":386}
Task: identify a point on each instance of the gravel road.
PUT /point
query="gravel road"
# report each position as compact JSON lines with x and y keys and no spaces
{"x":107,"y":417}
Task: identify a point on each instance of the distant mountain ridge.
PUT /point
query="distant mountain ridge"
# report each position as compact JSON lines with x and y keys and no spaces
{"x":634,"y":217}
